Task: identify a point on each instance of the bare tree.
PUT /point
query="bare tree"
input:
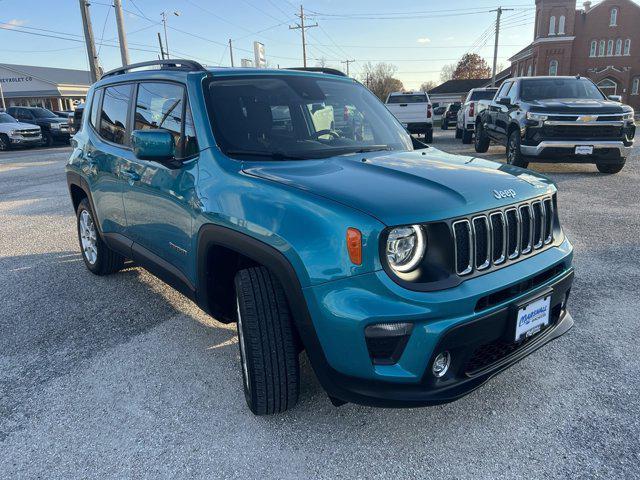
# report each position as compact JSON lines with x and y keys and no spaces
{"x":446,"y":73}
{"x":379,"y":78}
{"x":428,"y":85}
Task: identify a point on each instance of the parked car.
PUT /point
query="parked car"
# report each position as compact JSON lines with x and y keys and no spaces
{"x":410,"y":277}
{"x":414,"y":111}
{"x":76,"y":119}
{"x":477,"y":100}
{"x":16,"y":134}
{"x":557,"y":119}
{"x":450,"y":115}
{"x":54,"y":129}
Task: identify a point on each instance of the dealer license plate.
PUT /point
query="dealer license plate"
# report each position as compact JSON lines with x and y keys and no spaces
{"x":532,"y":317}
{"x":584,"y":150}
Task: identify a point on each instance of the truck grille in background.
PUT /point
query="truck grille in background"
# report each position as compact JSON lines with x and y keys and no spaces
{"x":29,"y":133}
{"x":502,"y":235}
{"x":582,"y":131}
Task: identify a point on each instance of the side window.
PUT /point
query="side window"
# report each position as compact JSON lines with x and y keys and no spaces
{"x":513,"y":93}
{"x":161,"y":105}
{"x":503,"y":90}
{"x":113,"y":115}
{"x":95,"y":108}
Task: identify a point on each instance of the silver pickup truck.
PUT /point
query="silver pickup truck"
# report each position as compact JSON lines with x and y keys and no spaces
{"x":477,"y":100}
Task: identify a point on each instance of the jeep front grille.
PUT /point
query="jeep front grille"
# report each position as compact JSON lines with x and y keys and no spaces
{"x":502,"y":235}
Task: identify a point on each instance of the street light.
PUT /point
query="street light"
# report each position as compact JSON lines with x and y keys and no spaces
{"x":164,"y":22}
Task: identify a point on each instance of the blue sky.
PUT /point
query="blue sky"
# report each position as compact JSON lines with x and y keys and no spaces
{"x":419,"y":37}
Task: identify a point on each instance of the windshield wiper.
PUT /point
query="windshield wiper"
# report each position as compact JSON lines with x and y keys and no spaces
{"x":366,"y":148}
{"x":260,"y":153}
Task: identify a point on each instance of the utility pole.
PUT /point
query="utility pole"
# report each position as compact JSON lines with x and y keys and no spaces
{"x":122,"y":35}
{"x":301,"y":26}
{"x":231,"y":52}
{"x":4,"y":106}
{"x":164,"y":22}
{"x":160,"y":43}
{"x":88,"y":38}
{"x":347,"y":62}
{"x":498,"y":11}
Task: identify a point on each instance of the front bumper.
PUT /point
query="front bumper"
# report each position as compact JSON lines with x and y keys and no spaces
{"x":25,"y":141}
{"x":563,"y":148}
{"x":447,"y":319}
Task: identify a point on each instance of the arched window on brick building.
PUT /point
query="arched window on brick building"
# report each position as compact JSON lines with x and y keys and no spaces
{"x":552,"y":25}
{"x":613,"y":18}
{"x":618,"y":47}
{"x":553,"y":68}
{"x":561,"y":21}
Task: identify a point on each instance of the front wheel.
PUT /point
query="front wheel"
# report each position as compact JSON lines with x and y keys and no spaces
{"x":97,"y":256}
{"x":268,"y":353}
{"x":481,"y":142}
{"x":458,"y":133}
{"x":514,"y":154}
{"x":4,"y":143}
{"x":610,"y":167}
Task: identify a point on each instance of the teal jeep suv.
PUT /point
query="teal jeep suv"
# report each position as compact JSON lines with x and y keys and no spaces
{"x":293,"y":203}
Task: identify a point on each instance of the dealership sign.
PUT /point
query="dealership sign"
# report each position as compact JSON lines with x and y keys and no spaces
{"x":15,"y":79}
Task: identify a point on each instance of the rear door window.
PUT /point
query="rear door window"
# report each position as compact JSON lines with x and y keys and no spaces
{"x":113,"y":115}
{"x":160,"y":105}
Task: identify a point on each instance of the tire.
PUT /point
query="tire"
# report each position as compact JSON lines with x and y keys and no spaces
{"x":444,"y":126}
{"x":4,"y":143}
{"x":481,"y":141}
{"x":266,"y":339}
{"x":467,"y":136}
{"x":97,"y":256}
{"x":47,"y":140}
{"x":458,"y":133}
{"x":428,"y":136}
{"x":610,"y":167}
{"x":514,"y":155}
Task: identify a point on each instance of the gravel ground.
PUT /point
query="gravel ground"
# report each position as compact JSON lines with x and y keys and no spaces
{"x":123,"y":377}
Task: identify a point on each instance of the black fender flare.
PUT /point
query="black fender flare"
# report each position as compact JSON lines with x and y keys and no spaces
{"x":77,"y":180}
{"x":268,"y":256}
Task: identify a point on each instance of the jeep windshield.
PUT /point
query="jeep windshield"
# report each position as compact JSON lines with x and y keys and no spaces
{"x":548,"y":88}
{"x":296,"y":117}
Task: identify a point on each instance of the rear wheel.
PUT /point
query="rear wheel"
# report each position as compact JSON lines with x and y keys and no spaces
{"x":47,"y":139}
{"x":97,"y":256}
{"x":4,"y":143}
{"x":428,"y":136}
{"x":268,"y":353}
{"x":610,"y":167}
{"x":514,"y":154}
{"x":458,"y":133}
{"x":481,"y":142}
{"x":445,"y":125}
{"x":467,"y":136}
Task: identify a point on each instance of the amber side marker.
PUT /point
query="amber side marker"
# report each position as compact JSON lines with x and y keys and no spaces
{"x":354,"y":245}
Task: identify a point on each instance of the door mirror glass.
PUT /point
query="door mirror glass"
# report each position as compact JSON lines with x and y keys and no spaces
{"x":615,"y":98}
{"x":506,"y":101}
{"x":155,"y":145}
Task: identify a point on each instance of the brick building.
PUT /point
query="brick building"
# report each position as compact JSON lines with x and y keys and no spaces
{"x":600,"y":42}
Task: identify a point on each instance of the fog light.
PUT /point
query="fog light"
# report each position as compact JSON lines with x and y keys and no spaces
{"x":441,"y":364}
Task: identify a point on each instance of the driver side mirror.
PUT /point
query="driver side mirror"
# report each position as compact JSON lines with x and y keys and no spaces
{"x":615,"y":98}
{"x":155,"y":145}
{"x":506,"y":101}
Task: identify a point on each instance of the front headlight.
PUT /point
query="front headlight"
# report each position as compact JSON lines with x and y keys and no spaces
{"x":405,"y":247}
{"x":536,"y":117}
{"x":11,"y":133}
{"x":628,"y":115}
{"x":55,"y":126}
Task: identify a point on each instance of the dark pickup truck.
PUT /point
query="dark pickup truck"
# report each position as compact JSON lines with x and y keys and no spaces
{"x":557,"y":119}
{"x":54,"y":129}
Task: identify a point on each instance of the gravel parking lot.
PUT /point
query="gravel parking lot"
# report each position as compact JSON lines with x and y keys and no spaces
{"x":122,"y":377}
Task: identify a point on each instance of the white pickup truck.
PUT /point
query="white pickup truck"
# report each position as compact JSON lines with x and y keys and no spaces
{"x":14,"y":133}
{"x":414,"y":111}
{"x":477,"y":100}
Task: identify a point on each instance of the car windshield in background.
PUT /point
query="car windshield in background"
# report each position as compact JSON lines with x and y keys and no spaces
{"x":6,"y":118}
{"x":284,"y":117}
{"x":483,"y":95}
{"x":547,"y":88}
{"x":43,"y":113}
{"x":407,"y":99}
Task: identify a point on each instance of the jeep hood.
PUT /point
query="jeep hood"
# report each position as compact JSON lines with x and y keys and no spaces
{"x":407,"y":187}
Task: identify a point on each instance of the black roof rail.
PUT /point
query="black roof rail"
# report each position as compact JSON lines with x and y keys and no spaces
{"x":173,"y":64}
{"x":330,"y":71}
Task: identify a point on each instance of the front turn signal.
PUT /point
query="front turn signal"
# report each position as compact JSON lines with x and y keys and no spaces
{"x":354,"y":245}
